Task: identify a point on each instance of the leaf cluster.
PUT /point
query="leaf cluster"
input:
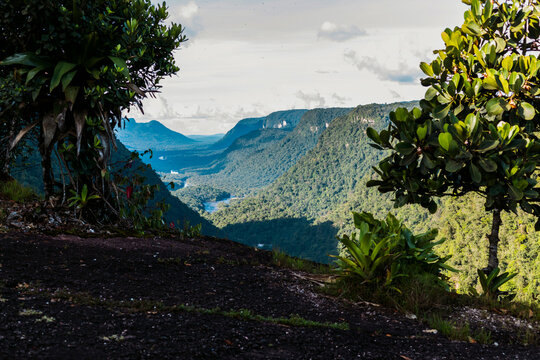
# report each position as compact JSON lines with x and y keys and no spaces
{"x":475,"y":130}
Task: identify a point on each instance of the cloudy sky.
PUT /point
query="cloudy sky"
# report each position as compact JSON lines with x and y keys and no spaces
{"x":248,"y":58}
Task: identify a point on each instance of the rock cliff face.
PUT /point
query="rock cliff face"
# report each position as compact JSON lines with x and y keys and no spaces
{"x":287,"y":120}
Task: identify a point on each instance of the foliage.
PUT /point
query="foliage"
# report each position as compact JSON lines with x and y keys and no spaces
{"x":191,"y":231}
{"x":476,"y":129}
{"x":383,"y":251}
{"x":492,"y":282}
{"x":76,"y":65}
{"x":13,"y":190}
{"x":285,"y":120}
{"x":124,"y":164}
{"x":134,"y":195}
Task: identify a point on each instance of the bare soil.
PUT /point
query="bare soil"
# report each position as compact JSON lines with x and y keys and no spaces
{"x":64,"y":296}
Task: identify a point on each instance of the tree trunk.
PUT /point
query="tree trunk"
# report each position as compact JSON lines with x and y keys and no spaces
{"x":493,"y":261}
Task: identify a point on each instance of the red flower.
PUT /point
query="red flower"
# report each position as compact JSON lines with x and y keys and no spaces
{"x":171,"y":225}
{"x":129,"y":191}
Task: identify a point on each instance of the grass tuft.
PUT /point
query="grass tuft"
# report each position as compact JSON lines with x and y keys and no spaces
{"x":280,"y":259}
{"x":13,"y":190}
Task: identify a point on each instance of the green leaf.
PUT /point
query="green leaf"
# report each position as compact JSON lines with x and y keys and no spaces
{"x":59,"y":71}
{"x":487,"y":164}
{"x":28,"y":59}
{"x":476,"y":176}
{"x":401,"y":114}
{"x":441,"y":111}
{"x":121,"y":63}
{"x":487,"y":145}
{"x":421,"y":132}
{"x":66,"y":80}
{"x":373,"y":135}
{"x":496,"y":106}
{"x":453,"y":166}
{"x":405,"y":148}
{"x":32,"y":73}
{"x":515,"y":193}
{"x":526,"y":111}
{"x":445,"y":139}
{"x":472,"y":28}
{"x":431,"y":93}
{"x":427,"y":69}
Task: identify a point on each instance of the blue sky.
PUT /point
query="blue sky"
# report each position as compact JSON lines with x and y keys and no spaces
{"x":248,"y":58}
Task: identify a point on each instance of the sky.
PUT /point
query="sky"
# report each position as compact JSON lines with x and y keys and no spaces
{"x":248,"y":58}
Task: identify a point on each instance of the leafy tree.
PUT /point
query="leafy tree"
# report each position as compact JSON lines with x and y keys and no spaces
{"x":74,"y":66}
{"x":477,"y":127}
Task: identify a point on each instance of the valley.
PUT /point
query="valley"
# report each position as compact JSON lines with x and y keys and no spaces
{"x":294,"y":188}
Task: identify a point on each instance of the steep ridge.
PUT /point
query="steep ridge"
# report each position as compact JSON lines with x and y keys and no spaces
{"x":151,"y":135}
{"x":258,"y":158}
{"x":286,"y":119}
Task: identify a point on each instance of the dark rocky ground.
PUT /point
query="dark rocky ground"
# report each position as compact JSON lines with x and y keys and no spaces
{"x":65,"y":296}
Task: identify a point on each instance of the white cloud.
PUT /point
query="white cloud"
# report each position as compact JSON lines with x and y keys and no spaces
{"x":340,"y":33}
{"x":403,"y":74}
{"x":311,"y":100}
{"x":341,"y":100}
{"x":188,"y":12}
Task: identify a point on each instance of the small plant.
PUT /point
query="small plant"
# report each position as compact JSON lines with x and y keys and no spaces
{"x":30,"y":312}
{"x":47,"y":319}
{"x":82,"y":199}
{"x":115,"y":337}
{"x":191,"y":231}
{"x":491,"y":284}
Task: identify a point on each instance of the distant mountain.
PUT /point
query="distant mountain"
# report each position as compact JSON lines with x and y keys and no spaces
{"x":286,"y":120}
{"x":151,"y":135}
{"x":256,"y":159}
{"x":206,"y":139}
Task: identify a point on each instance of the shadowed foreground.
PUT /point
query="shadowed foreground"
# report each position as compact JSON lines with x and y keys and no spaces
{"x":67,"y":297}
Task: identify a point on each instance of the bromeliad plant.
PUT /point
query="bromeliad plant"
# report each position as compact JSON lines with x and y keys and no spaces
{"x":492,"y":282}
{"x":81,"y":200}
{"x":383,"y":251}
{"x":476,"y":130}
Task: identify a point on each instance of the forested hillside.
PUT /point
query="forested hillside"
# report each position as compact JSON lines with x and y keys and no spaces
{"x":303,"y":202}
{"x":256,"y":159}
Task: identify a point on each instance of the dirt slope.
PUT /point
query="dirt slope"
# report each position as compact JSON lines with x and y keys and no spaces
{"x":71,"y":297}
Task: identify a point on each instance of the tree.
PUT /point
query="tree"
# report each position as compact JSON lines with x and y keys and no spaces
{"x":75,"y":65}
{"x":476,"y":129}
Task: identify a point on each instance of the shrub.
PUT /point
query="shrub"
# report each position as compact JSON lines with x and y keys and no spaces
{"x":383,"y":251}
